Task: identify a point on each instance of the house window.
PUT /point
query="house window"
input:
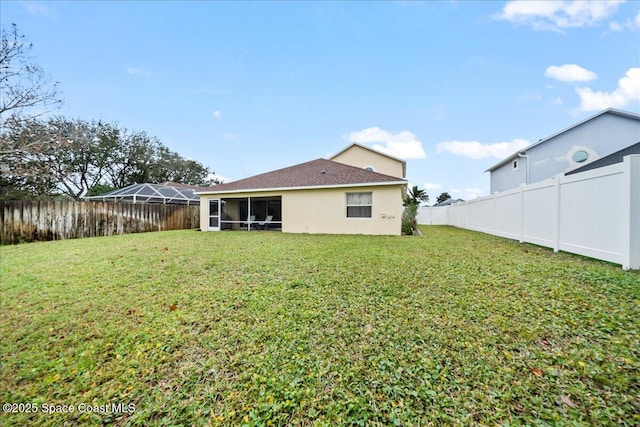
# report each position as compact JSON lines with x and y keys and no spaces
{"x":515,"y":164}
{"x":359,"y":205}
{"x":580,"y":156}
{"x":370,"y":168}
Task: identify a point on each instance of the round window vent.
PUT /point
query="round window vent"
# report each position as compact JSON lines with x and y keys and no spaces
{"x":580,"y":156}
{"x":370,"y":168}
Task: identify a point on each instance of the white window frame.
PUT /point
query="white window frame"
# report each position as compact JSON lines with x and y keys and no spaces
{"x":350,"y":205}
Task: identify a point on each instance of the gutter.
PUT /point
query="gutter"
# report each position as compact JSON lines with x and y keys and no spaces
{"x":524,"y":156}
{"x":308,"y":187}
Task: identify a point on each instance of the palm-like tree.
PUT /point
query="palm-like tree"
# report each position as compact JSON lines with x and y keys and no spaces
{"x":416,"y":196}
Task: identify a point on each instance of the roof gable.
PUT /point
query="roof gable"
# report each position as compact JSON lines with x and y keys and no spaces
{"x":355,"y":144}
{"x":362,"y":156}
{"x":315,"y":173}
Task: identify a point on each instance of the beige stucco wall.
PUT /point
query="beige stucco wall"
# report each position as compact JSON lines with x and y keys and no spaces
{"x":204,"y":212}
{"x":361,"y":157}
{"x":324,"y":210}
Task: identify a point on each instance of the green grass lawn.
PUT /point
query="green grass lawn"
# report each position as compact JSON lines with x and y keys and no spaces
{"x":263,"y":328}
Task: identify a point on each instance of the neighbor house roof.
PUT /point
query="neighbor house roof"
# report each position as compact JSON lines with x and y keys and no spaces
{"x":614,"y":111}
{"x":447,"y":202}
{"x":319,"y":173}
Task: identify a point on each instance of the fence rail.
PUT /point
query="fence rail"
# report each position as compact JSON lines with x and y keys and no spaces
{"x":27,"y":221}
{"x":594,"y":213}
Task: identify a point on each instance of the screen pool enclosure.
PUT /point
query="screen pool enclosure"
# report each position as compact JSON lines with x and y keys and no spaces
{"x":151,"y":193}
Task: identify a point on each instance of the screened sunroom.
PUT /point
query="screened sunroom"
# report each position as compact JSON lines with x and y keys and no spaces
{"x":245,"y":213}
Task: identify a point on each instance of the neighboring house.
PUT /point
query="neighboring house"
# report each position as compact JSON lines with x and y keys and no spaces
{"x":447,"y":202}
{"x":344,"y":195}
{"x":586,"y":142}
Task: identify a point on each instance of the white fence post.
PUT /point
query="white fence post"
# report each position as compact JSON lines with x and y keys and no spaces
{"x":631,"y":249}
{"x":521,"y":213}
{"x":558,"y":207}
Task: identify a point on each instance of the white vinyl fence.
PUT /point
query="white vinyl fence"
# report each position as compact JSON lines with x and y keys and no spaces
{"x":594,"y":213}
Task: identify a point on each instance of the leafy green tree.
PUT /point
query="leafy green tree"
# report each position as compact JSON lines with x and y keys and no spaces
{"x":412,"y":201}
{"x":170,"y":166}
{"x":409,"y":223}
{"x":442,"y":197}
{"x":100,"y":189}
{"x":71,"y":157}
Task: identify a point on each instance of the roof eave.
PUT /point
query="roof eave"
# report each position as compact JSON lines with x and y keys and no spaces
{"x":508,"y":159}
{"x":308,"y":187}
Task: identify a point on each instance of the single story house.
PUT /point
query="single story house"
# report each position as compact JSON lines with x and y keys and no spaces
{"x":599,"y":136}
{"x":357,"y":191}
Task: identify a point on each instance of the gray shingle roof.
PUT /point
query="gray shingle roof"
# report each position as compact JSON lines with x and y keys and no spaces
{"x":316,"y":173}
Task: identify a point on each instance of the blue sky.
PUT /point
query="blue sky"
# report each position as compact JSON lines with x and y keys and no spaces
{"x":248,"y":87}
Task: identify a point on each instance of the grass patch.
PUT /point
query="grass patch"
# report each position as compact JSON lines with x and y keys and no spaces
{"x":249,"y":328}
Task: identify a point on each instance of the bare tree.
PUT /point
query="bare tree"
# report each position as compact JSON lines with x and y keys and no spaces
{"x":25,"y":150}
{"x":23,"y":84}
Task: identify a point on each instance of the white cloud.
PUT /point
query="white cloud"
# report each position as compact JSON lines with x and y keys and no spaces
{"x":614,"y":26}
{"x":217,"y":114}
{"x":628,"y":91}
{"x":570,"y":73}
{"x":629,"y":24}
{"x":432,"y":186}
{"x":229,"y":136}
{"x":138,"y":72}
{"x":38,"y":9}
{"x":557,"y":15}
{"x":477,"y":150}
{"x":213,"y":176}
{"x":404,"y":145}
{"x":466,"y":193}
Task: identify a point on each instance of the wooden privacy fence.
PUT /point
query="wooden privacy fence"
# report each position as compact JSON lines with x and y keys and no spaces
{"x":27,"y":221}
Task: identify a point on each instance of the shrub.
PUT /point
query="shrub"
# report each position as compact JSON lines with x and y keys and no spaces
{"x":409,"y":222}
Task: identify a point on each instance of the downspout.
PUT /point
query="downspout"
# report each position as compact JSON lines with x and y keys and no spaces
{"x":524,"y":156}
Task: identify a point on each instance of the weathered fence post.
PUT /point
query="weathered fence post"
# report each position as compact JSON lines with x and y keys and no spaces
{"x":25,"y":221}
